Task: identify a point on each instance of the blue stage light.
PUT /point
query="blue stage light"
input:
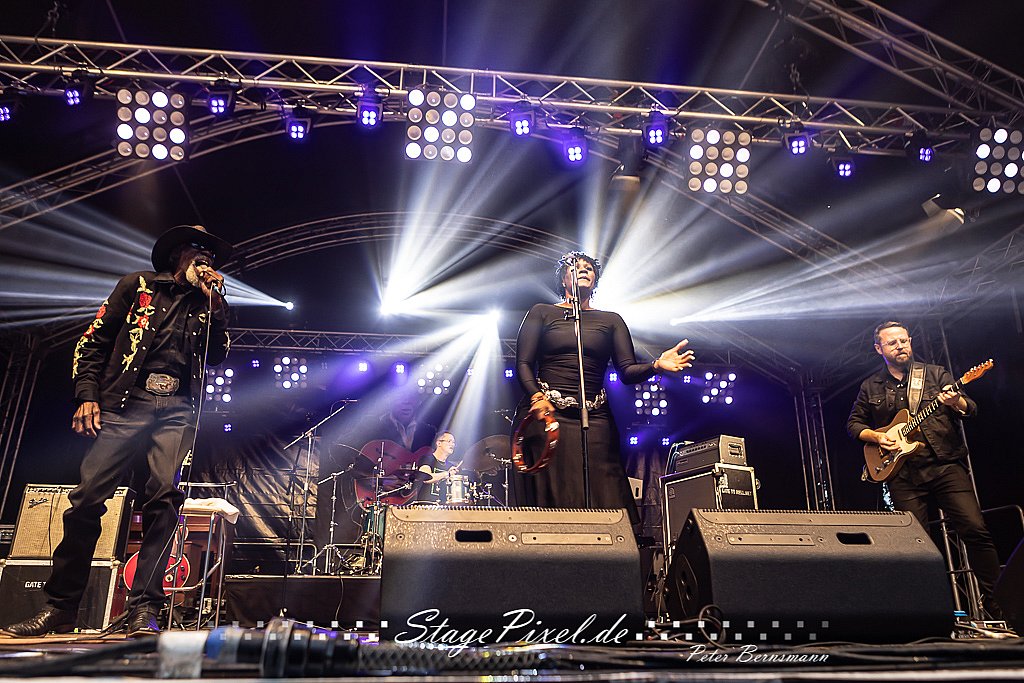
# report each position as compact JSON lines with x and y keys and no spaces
{"x":574,"y":146}
{"x":844,"y":168}
{"x":521,"y":119}
{"x":656,"y":129}
{"x":370,"y":110}
{"x":798,"y":144}
{"x":298,"y":124}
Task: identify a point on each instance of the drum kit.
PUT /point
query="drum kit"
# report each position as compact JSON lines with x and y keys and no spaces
{"x":386,"y":474}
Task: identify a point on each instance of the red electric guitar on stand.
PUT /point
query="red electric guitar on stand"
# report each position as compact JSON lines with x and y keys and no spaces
{"x":178,"y":566}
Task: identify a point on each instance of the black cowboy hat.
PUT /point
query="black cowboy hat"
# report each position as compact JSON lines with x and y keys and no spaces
{"x":186,"y":234}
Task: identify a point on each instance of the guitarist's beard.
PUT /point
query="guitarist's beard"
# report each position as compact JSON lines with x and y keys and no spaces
{"x":903,"y":365}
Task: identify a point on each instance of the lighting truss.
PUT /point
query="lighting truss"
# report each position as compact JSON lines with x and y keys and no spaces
{"x":924,"y":59}
{"x":333,"y":87}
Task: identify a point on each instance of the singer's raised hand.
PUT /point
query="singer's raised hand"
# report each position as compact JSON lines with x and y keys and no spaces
{"x":675,"y":359}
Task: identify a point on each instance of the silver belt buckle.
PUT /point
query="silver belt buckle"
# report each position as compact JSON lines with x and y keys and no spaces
{"x":161,"y":384}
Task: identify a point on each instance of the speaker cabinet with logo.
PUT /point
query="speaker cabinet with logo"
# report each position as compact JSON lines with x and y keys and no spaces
{"x":21,"y":592}
{"x":510,"y":574}
{"x":803,"y":576}
{"x":721,"y":486}
{"x":40,"y":525}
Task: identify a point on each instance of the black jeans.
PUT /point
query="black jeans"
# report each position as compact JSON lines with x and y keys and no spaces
{"x":949,"y":485}
{"x":161,"y":427}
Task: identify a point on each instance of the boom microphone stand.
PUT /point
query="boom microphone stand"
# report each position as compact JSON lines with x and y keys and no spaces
{"x":575,"y":314}
{"x":308,"y":435}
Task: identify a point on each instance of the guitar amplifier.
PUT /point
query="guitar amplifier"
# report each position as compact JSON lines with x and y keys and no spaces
{"x":40,"y":525}
{"x":723,"y":487}
{"x":21,"y":591}
{"x":724,"y":449}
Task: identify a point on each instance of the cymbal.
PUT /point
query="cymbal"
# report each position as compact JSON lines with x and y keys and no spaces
{"x":411,"y":474}
{"x":488,"y":455}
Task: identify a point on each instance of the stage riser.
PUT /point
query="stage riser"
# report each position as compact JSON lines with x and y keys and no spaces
{"x":353,"y":602}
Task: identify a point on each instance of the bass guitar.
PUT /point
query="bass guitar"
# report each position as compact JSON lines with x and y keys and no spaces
{"x":882,"y":464}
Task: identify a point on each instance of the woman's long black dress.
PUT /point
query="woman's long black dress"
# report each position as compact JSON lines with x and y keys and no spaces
{"x":546,"y":352}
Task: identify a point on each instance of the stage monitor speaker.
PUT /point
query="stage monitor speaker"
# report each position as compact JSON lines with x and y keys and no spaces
{"x":1009,"y":589}
{"x":789,"y":576}
{"x":484,"y":575}
{"x":40,"y":525}
{"x":21,"y":592}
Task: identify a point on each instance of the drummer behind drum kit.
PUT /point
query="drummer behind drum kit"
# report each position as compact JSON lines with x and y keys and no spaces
{"x":386,"y":474}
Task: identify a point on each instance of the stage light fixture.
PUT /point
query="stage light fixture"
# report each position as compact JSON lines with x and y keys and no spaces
{"x":843,"y":166}
{"x":521,"y":119}
{"x":797,"y":143}
{"x":220,"y":98}
{"x":613,"y":377}
{"x":666,"y":441}
{"x":509,"y":373}
{"x":945,"y":214}
{"x":227,"y":426}
{"x":218,"y":386}
{"x":152,"y":125}
{"x":255,"y":362}
{"x":656,"y":129}
{"x":288,"y":305}
{"x":920,"y":148}
{"x":574,"y":146}
{"x":399,"y":368}
{"x":9,"y":105}
{"x":634,"y":440}
{"x":439,"y":125}
{"x":370,"y":110}
{"x":79,"y":89}
{"x":290,"y":372}
{"x":718,"y":387}
{"x":434,"y":380}
{"x":650,"y":399}
{"x":719,"y":161}
{"x":363,"y":366}
{"x":998,"y":160}
{"x":299,"y":123}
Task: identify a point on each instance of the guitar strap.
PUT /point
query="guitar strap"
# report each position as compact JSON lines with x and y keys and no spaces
{"x":916,"y":388}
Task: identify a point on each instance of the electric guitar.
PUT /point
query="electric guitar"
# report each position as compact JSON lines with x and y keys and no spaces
{"x":881,"y":464}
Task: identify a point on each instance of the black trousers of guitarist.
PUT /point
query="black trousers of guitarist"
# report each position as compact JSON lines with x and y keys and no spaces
{"x":937,"y":473}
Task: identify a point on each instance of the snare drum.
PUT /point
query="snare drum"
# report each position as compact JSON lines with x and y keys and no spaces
{"x":458,"y":490}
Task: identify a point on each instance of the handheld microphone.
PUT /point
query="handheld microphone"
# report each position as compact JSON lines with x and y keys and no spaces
{"x":202,"y":261}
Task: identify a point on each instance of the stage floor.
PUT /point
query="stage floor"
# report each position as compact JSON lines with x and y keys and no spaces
{"x":114,"y":657}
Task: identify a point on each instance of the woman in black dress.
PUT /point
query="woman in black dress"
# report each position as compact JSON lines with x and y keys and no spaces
{"x":547,"y":366}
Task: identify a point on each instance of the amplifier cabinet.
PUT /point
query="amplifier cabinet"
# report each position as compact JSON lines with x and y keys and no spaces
{"x":723,"y":487}
{"x":40,"y":525}
{"x":21,"y":592}
{"x":690,"y":457}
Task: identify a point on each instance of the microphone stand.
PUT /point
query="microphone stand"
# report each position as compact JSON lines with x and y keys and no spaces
{"x":576,"y":315}
{"x":308,"y":435}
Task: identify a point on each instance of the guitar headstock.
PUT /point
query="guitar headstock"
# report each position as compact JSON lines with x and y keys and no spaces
{"x":977,"y":371}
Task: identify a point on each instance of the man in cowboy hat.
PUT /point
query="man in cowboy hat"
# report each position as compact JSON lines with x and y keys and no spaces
{"x":139,"y":370}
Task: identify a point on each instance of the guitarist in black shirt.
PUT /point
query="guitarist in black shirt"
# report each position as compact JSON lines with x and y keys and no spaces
{"x":937,"y":471}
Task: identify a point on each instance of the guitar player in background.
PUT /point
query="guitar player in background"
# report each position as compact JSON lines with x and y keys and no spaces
{"x":937,"y":471}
